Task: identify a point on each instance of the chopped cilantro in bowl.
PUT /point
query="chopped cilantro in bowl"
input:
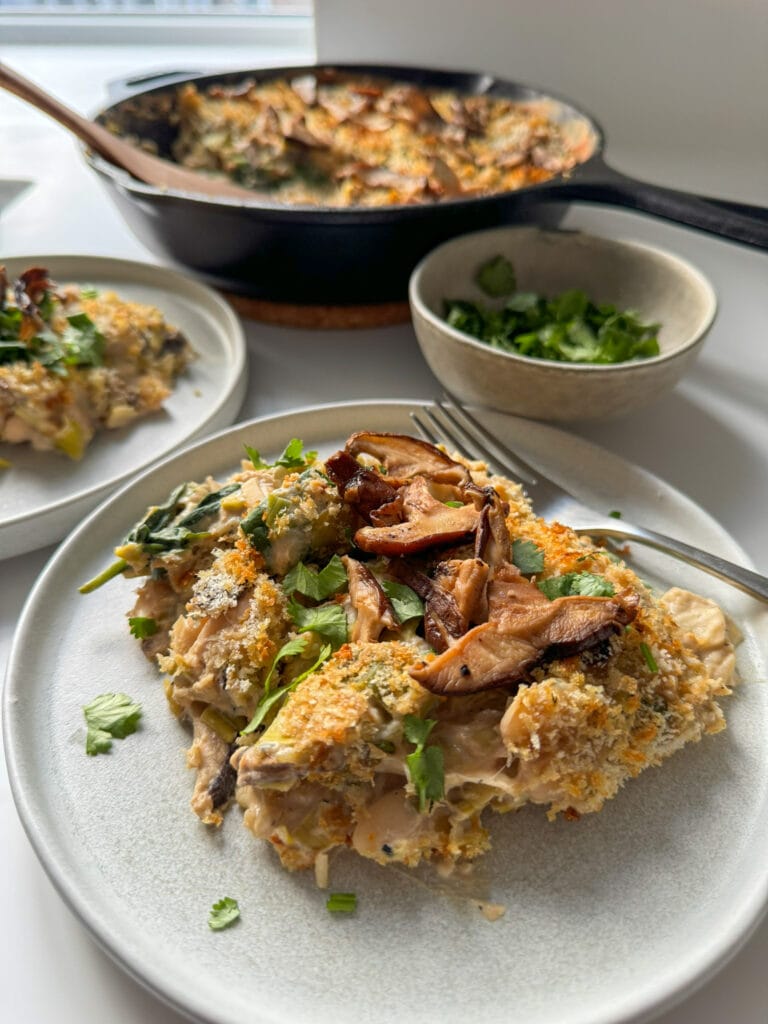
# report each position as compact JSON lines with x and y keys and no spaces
{"x":568,"y":327}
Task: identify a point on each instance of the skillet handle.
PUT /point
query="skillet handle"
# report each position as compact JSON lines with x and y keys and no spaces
{"x":597,"y":182}
{"x":119,"y":89}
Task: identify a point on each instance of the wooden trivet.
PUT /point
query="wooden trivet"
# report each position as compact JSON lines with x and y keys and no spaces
{"x":321,"y":318}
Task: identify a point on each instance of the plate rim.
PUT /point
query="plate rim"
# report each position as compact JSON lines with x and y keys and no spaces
{"x":644,"y":1006}
{"x":154,"y":274}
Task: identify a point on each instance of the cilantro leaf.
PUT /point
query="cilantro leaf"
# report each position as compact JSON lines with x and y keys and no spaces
{"x":269,"y":700}
{"x":223,"y":913}
{"x":290,"y":649}
{"x":317,"y":585}
{"x":83,"y":343}
{"x":142,"y":627}
{"x":293,"y":456}
{"x":417,"y":730}
{"x":567,"y":328}
{"x":406,"y":602}
{"x":255,"y":457}
{"x":109,"y":716}
{"x":586,"y":584}
{"x":527,"y":556}
{"x":327,"y":620}
{"x":426,"y":767}
{"x":426,"y":770}
{"x":496,"y":277}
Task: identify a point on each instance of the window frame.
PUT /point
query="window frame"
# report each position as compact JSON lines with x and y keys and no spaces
{"x":42,"y":28}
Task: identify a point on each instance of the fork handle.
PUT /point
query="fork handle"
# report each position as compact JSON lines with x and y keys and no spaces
{"x":745,"y":579}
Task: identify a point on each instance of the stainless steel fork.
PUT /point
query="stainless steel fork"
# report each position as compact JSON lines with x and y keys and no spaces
{"x":450,"y":424}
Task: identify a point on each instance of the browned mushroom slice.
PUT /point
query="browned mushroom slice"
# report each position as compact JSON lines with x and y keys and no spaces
{"x":443,"y":621}
{"x":492,"y":537}
{"x":373,"y":607}
{"x":29,"y":291}
{"x":364,"y":489}
{"x":428,"y":522}
{"x":404,"y":457}
{"x":465,"y":580}
{"x":442,"y":180}
{"x":524,"y":629}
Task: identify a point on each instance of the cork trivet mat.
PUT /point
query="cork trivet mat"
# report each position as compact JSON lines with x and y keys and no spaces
{"x":321,"y":318}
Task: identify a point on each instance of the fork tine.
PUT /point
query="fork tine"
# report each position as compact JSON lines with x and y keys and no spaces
{"x":491,"y":447}
{"x":447,"y":430}
{"x":424,"y":430}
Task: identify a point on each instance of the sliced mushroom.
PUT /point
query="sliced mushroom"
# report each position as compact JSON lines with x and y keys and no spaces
{"x":443,"y":621}
{"x":465,"y":580}
{"x":362,"y":488}
{"x":221,"y":788}
{"x":442,"y":180}
{"x":492,"y":537}
{"x":428,"y":523}
{"x":524,"y":629}
{"x":29,"y":290}
{"x":373,"y":607}
{"x":406,"y":457}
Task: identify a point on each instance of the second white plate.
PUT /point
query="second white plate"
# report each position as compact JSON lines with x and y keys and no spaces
{"x":608,"y":919}
{"x":44,"y":494}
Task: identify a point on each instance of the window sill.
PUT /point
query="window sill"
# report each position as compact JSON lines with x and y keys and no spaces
{"x":55,"y":28}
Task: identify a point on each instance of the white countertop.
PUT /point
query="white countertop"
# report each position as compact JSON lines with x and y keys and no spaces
{"x":709,"y":438}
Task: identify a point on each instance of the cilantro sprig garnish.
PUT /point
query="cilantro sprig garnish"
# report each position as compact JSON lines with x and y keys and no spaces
{"x":31,"y":334}
{"x":426,"y":768}
{"x":570,"y":584}
{"x":406,"y":602}
{"x":223,"y":913}
{"x":109,"y":716}
{"x":142,"y":626}
{"x":270,"y":698}
{"x":567,"y":328}
{"x":317,"y":585}
{"x":293,"y":456}
{"x":327,"y":620}
{"x":527,"y":556}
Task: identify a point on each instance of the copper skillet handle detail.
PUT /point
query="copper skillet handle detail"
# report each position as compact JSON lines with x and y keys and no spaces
{"x":597,"y":182}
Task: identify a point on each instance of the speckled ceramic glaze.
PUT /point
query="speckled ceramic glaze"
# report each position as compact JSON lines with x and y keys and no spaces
{"x":608,"y":919}
{"x":661,"y":287}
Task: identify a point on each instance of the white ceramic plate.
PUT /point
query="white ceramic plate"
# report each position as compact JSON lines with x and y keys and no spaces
{"x":609,"y":919}
{"x":44,"y":494}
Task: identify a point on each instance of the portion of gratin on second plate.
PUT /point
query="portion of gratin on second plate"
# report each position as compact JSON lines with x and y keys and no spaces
{"x":373,"y":650}
{"x":74,"y":360}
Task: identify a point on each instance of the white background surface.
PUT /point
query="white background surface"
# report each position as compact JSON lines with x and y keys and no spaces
{"x":710,"y":437}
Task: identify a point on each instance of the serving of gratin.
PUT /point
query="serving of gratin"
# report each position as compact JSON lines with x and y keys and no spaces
{"x":343,"y":140}
{"x":375,"y":649}
{"x":74,"y":360}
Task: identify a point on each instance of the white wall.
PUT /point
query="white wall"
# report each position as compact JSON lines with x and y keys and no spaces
{"x":686,"y":77}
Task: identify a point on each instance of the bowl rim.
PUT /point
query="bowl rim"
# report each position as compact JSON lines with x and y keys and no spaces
{"x":420,"y":309}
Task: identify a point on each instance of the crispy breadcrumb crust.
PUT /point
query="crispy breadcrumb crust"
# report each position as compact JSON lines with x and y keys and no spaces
{"x":329,"y":768}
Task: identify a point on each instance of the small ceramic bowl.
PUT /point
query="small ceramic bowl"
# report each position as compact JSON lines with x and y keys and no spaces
{"x":660,"y":287}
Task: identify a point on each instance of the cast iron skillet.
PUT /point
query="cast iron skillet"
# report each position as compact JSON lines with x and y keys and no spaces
{"x":310,"y":254}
